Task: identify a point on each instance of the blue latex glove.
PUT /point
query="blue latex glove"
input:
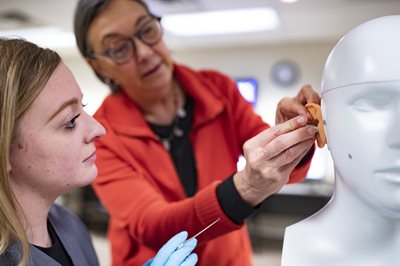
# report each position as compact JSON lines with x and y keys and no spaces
{"x":168,"y":255}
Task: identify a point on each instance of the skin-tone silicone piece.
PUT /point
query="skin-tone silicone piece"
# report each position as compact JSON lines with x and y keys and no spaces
{"x":315,"y":112}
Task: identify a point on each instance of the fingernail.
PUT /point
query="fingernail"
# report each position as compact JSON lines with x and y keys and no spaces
{"x":301,"y":120}
{"x":312,"y":130}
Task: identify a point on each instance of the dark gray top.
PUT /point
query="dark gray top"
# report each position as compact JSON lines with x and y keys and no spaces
{"x":73,"y":235}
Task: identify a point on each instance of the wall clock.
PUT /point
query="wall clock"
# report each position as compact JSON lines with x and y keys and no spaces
{"x":285,"y":73}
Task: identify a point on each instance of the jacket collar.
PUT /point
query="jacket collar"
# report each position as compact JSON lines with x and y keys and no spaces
{"x":207,"y":104}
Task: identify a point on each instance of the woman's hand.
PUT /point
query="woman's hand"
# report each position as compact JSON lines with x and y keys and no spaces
{"x":270,"y":158}
{"x":290,"y":107}
{"x":171,"y":255}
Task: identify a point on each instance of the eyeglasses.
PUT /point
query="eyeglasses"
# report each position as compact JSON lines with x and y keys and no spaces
{"x":123,"y":49}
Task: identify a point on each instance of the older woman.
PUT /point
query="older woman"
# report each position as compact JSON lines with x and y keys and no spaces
{"x":174,"y":138}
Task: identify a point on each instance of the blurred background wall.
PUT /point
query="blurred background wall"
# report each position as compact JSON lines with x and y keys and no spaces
{"x":278,"y":60}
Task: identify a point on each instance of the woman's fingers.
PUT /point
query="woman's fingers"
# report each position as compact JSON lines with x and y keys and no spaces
{"x":191,"y":260}
{"x":293,"y":155}
{"x":180,"y":255}
{"x":287,"y":144}
{"x":270,"y":158}
{"x":291,"y":107}
{"x":165,"y":252}
{"x":265,"y":137}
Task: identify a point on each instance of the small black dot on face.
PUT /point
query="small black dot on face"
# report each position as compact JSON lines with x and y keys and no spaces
{"x":350,"y":156}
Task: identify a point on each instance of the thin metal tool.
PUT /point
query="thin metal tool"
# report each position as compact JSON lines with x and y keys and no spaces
{"x":199,"y":233}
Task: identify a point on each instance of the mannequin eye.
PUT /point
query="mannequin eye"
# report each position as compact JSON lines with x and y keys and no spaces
{"x":373,"y":103}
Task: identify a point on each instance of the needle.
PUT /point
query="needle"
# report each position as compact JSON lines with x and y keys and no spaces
{"x":196,"y":235}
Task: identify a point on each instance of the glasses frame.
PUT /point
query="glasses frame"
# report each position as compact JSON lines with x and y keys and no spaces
{"x":130,"y":39}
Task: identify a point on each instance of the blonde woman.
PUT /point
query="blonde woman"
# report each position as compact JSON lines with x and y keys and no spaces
{"x":47,"y":149}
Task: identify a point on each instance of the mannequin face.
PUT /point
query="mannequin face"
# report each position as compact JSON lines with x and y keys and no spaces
{"x":363,"y":130}
{"x":361,"y":106}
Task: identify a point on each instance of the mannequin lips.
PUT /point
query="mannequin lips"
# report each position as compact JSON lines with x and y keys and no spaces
{"x":390,"y":174}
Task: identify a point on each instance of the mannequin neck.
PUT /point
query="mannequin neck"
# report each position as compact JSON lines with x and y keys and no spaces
{"x":347,"y":231}
{"x":354,"y":220}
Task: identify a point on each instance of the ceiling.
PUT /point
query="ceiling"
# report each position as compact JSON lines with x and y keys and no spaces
{"x":304,"y":21}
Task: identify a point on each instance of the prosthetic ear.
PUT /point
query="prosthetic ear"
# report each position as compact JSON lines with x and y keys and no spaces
{"x":315,"y":112}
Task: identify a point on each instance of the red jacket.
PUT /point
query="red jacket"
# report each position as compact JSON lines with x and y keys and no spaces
{"x":139,"y":186}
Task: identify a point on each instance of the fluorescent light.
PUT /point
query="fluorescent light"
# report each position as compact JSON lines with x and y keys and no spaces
{"x":221,"y":22}
{"x":48,"y":37}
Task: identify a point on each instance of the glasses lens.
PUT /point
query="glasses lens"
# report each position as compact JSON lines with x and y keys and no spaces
{"x":121,"y":51}
{"x":151,"y":33}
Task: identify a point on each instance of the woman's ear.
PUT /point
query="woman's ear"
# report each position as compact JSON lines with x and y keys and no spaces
{"x":94,"y":64}
{"x":315,"y":112}
{"x":8,"y":167}
{"x":100,"y":72}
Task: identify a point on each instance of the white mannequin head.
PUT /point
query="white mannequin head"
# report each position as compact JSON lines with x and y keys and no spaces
{"x":361,"y":109}
{"x":360,"y":226}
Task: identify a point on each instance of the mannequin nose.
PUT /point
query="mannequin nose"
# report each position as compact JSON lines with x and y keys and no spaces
{"x":393,"y":136}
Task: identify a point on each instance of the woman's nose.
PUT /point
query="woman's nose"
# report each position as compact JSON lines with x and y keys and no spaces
{"x":142,"y":50}
{"x":96,"y":130}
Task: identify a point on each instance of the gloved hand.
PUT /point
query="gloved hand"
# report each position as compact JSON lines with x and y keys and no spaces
{"x":168,"y":255}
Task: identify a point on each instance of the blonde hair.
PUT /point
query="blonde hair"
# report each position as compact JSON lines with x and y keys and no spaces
{"x":25,"y":69}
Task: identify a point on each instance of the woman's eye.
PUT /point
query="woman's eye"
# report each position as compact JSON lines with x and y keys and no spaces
{"x":147,"y":30}
{"x":71,"y":124}
{"x":120,"y":49}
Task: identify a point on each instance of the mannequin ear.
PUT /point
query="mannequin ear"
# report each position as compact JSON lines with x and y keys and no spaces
{"x":315,"y":112}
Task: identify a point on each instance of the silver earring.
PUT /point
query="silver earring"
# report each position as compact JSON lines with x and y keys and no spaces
{"x":107,"y":81}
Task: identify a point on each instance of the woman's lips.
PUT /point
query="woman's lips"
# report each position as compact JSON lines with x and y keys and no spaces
{"x":91,"y":158}
{"x":151,"y":71}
